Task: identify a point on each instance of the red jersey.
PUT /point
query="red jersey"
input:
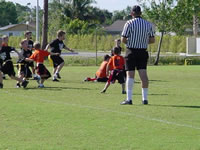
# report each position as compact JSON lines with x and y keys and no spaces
{"x":117,"y":62}
{"x":101,"y":72}
{"x":39,"y":55}
{"x":4,"y":44}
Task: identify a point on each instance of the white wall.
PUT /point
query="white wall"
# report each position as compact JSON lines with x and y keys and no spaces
{"x":13,"y":33}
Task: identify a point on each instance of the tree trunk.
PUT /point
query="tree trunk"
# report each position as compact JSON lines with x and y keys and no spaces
{"x":45,"y":25}
{"x":159,"y":48}
{"x":195,"y":25}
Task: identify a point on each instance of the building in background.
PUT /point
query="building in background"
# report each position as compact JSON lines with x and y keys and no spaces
{"x":17,"y":29}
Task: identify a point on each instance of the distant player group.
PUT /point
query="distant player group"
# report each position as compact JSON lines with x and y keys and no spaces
{"x":137,"y":34}
{"x":111,"y":69}
{"x":30,"y":53}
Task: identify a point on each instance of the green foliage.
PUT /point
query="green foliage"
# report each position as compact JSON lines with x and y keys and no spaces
{"x":159,"y":13}
{"x":170,"y":43}
{"x":24,"y":13}
{"x":121,"y":15}
{"x":8,"y":13}
{"x":77,"y":26}
{"x":87,"y":42}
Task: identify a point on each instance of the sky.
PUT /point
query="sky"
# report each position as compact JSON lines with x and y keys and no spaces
{"x":110,"y":5}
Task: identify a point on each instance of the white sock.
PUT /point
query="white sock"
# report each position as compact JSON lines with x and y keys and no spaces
{"x":144,"y":93}
{"x":54,"y":76}
{"x":129,"y":88}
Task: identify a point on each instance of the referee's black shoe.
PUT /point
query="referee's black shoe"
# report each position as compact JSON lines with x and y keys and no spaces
{"x":145,"y":102}
{"x":126,"y":102}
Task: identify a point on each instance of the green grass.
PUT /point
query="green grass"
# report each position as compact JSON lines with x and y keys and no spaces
{"x":73,"y":115}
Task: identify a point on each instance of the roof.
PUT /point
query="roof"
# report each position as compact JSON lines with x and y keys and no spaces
{"x":12,"y":26}
{"x":8,"y":26}
{"x":117,"y":26}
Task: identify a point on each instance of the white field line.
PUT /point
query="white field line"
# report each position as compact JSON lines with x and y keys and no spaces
{"x":113,"y":111}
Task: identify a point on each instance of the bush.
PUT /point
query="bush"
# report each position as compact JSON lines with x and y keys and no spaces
{"x":87,"y":42}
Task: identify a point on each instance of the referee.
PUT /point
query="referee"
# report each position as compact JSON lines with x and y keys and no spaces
{"x":137,"y":34}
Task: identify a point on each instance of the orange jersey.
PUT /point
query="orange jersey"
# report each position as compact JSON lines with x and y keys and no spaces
{"x":39,"y":55}
{"x":116,"y":62}
{"x":101,"y":72}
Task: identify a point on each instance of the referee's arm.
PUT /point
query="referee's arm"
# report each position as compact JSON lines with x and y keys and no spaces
{"x":124,"y":39}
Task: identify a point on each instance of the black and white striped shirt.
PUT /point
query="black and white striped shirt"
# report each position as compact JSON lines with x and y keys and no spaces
{"x":137,"y":31}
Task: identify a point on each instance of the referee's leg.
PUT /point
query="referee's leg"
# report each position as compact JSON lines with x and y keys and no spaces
{"x":129,"y":87}
{"x":145,"y":84}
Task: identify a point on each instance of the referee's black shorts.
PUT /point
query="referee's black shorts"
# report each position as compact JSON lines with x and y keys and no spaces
{"x":136,"y":59}
{"x":57,"y":60}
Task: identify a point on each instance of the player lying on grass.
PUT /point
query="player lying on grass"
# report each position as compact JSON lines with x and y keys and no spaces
{"x":38,"y":56}
{"x":117,"y":63}
{"x":100,"y":75}
{"x":6,"y":64}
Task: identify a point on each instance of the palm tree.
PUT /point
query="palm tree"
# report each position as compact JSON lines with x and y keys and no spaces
{"x":78,"y":8}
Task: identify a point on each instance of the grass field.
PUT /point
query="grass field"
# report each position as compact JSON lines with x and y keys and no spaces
{"x":74,"y":115}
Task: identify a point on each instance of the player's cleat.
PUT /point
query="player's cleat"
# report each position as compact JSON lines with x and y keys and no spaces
{"x":123,"y":92}
{"x":41,"y":86}
{"x":145,"y":102}
{"x":24,"y":83}
{"x":1,"y":86}
{"x":86,"y":79}
{"x":58,"y":75}
{"x":18,"y":85}
{"x":103,"y":91}
{"x":126,"y":102}
{"x":55,"y":80}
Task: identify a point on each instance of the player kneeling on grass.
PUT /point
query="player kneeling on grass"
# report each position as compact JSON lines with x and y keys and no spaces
{"x":100,"y":75}
{"x":6,"y":64}
{"x":38,"y":56}
{"x":117,"y":62}
{"x":23,"y":67}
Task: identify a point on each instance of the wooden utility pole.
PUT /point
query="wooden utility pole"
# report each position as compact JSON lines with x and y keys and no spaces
{"x":45,"y":25}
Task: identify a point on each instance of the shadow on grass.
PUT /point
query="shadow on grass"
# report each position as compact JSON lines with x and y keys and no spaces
{"x":56,"y":88}
{"x":157,"y":81}
{"x":178,"y":106}
{"x":138,"y":81}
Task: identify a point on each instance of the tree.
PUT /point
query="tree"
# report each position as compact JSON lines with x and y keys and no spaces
{"x":77,"y":8}
{"x":65,"y":16}
{"x":122,"y":15}
{"x":8,"y":13}
{"x":159,"y":12}
{"x":190,"y":10}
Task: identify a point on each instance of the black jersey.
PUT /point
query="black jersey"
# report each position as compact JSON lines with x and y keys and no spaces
{"x":5,"y":52}
{"x":56,"y":46}
{"x":30,"y":44}
{"x":26,"y":53}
